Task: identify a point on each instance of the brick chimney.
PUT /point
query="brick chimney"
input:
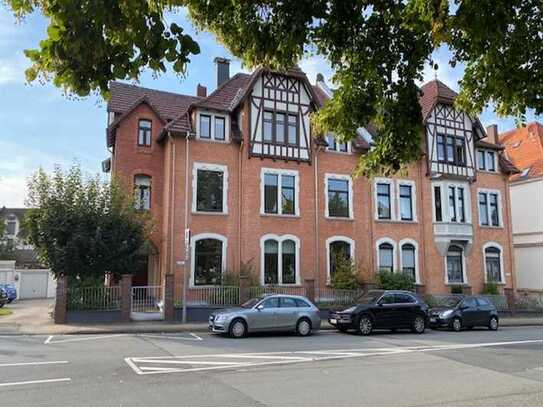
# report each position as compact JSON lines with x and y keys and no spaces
{"x":492,"y":134}
{"x":201,"y":91}
{"x":223,"y":70}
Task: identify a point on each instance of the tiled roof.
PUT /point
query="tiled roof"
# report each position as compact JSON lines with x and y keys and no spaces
{"x":321,"y":96}
{"x":524,"y":148}
{"x":226,"y":96}
{"x":18,"y":212}
{"x":432,"y":92}
{"x":490,"y":146}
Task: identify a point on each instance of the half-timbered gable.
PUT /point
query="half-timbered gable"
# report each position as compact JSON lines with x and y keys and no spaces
{"x":280,"y":106}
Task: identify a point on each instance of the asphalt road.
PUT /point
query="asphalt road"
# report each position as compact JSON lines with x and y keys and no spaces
{"x":472,"y":368}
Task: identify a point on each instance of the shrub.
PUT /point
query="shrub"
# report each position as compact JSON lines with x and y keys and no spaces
{"x":456,"y":289}
{"x":491,"y":288}
{"x":345,"y":274}
{"x":394,"y":281}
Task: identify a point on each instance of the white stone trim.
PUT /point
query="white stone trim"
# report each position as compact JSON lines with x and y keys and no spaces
{"x":333,"y":239}
{"x":394,"y":252}
{"x":413,"y":186}
{"x":279,"y":172}
{"x":502,"y":271}
{"x":390,"y":182}
{"x":416,"y":246}
{"x":212,"y":115}
{"x":211,"y":167}
{"x":280,"y":239}
{"x":193,"y":241}
{"x":464,"y":270}
{"x":500,"y":211}
{"x":445,"y":200}
{"x":348,"y":178}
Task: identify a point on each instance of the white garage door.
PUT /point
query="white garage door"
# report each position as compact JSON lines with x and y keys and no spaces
{"x":33,"y":285}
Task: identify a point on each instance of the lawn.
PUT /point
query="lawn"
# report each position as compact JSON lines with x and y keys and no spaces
{"x":5,"y":312}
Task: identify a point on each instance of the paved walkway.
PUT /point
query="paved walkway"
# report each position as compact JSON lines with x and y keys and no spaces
{"x":32,"y":317}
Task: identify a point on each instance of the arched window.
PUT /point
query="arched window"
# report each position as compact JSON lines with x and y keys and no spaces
{"x":455,"y":264}
{"x":142,"y":192}
{"x":208,"y":259}
{"x":340,"y":252}
{"x":386,"y":257}
{"x":280,"y":262}
{"x":493,"y":264}
{"x":409,"y":264}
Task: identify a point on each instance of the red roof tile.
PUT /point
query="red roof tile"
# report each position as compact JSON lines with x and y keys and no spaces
{"x":432,"y":92}
{"x":524,"y":148}
{"x":226,"y":96}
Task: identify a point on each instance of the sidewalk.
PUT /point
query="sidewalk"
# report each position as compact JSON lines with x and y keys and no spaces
{"x":17,"y":328}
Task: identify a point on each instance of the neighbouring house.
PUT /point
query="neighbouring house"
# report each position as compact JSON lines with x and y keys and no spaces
{"x":25,"y":257}
{"x":239,"y":177}
{"x":524,"y":147}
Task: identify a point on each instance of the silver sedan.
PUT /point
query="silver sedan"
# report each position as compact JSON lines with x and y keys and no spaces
{"x":289,"y":313}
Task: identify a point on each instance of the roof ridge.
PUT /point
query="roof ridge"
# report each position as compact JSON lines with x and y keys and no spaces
{"x":154,"y":90}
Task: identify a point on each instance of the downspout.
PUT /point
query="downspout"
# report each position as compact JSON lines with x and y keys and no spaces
{"x":172,"y":207}
{"x":240,"y":199}
{"x":510,"y":235}
{"x":186,"y":267}
{"x":316,"y":186}
{"x":422,"y":224}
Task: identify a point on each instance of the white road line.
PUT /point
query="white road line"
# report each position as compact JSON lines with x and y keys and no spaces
{"x":94,"y":337}
{"x":63,"y":379}
{"x":48,"y":339}
{"x":170,"y":337}
{"x":196,"y":336}
{"x":55,"y":362}
{"x":287,"y":357}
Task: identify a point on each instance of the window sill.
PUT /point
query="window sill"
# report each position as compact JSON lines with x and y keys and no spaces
{"x":279,"y":215}
{"x":339,"y":152}
{"x":210,"y":140}
{"x":339,"y":218}
{"x":144,"y":149}
{"x":210,"y":213}
{"x":283,"y":285}
{"x":408,"y":222}
{"x":490,"y":227}
{"x":488,"y":172}
{"x":463,"y":285}
{"x":496,"y":283}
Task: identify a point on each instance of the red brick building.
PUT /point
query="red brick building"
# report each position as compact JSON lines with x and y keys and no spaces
{"x":241,"y":169}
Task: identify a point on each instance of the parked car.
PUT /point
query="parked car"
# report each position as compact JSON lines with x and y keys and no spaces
{"x":10,"y":290}
{"x":267,"y":313}
{"x":3,"y":297}
{"x":383,"y":310}
{"x":465,"y":312}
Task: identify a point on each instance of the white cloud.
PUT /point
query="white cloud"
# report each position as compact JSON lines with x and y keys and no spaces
{"x":12,"y":69}
{"x":314,"y":65}
{"x":12,"y":191}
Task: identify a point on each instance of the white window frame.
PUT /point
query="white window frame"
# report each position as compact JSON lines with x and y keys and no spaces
{"x":393,"y":211}
{"x":485,"y":169}
{"x":333,"y":239}
{"x":343,"y":177}
{"x":336,"y":150}
{"x":464,"y":270}
{"x":212,"y":116}
{"x":280,"y":239}
{"x":445,"y":201}
{"x":16,"y":229}
{"x":502,"y":271}
{"x":137,"y":188}
{"x":500,"y":211}
{"x":411,"y":184}
{"x":394,"y":253}
{"x":193,"y":241}
{"x":279,"y":172}
{"x":416,"y":246}
{"x":210,"y":167}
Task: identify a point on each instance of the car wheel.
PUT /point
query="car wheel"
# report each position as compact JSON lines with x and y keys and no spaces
{"x":238,"y":328}
{"x":419,"y":325}
{"x":365,"y":326}
{"x":303,"y":327}
{"x":456,"y":324}
{"x":493,"y":324}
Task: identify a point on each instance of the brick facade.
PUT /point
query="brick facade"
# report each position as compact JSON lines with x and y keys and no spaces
{"x":243,"y":225}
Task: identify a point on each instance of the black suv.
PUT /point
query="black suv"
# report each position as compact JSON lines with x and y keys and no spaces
{"x":3,"y":297}
{"x":383,"y":310}
{"x":465,"y":312}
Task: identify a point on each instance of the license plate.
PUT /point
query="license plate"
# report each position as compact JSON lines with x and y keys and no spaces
{"x":333,"y":321}
{"x":433,"y":319}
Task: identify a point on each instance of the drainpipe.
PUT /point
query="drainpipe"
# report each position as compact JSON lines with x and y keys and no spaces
{"x":422,"y":221}
{"x":510,"y":234}
{"x":186,"y":268}
{"x":240,"y":199}
{"x":316,"y":177}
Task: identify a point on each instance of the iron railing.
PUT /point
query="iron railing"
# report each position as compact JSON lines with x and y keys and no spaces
{"x":262,"y":290}
{"x":93,"y":298}
{"x":148,"y":298}
{"x":216,"y":295}
{"x":326,"y":296}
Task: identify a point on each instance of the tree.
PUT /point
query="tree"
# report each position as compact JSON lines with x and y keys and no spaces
{"x":83,"y":228}
{"x":7,"y":247}
{"x":377,"y":48}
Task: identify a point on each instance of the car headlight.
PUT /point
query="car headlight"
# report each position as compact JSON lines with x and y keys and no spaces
{"x":220,"y":318}
{"x":349,"y":310}
{"x":446,"y":314}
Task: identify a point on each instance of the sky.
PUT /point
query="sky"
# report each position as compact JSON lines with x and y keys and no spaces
{"x":43,"y":128}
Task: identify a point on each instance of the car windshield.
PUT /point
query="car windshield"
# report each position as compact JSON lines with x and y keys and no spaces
{"x":370,"y":297}
{"x":250,"y":303}
{"x":450,"y":302}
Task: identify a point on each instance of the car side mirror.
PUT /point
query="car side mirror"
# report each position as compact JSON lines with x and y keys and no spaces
{"x":260,"y":307}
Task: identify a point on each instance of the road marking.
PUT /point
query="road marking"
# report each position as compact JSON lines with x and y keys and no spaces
{"x":55,"y":362}
{"x":152,"y":365}
{"x":63,"y":379}
{"x":193,"y":337}
{"x":50,"y":341}
{"x":196,"y":336}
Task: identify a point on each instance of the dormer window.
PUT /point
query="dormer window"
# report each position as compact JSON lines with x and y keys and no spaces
{"x":451,"y":149}
{"x":486,"y":160}
{"x":205,"y":126}
{"x":212,"y":127}
{"x":144,"y":133}
{"x":333,"y":145}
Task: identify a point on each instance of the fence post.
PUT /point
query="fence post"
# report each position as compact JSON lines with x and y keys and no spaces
{"x":169,"y":311}
{"x":310,"y":289}
{"x":126,"y":297}
{"x":61,"y":300}
{"x":511,"y":303}
{"x":243,"y":288}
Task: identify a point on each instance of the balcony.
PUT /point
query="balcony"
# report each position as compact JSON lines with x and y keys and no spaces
{"x":446,"y":233}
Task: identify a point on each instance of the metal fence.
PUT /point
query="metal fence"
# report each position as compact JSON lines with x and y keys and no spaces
{"x":529,"y":301}
{"x":148,"y":298}
{"x":447,"y":300}
{"x":326,"y":296}
{"x":262,"y":290}
{"x":218,"y":295}
{"x":93,"y":298}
